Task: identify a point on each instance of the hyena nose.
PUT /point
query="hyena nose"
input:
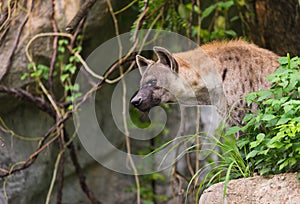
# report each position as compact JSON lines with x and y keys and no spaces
{"x":136,"y":101}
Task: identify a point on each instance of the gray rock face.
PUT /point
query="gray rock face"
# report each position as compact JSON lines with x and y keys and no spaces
{"x":277,"y":189}
{"x":31,"y":185}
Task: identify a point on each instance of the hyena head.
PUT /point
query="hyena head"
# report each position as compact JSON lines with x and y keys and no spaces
{"x":160,"y":81}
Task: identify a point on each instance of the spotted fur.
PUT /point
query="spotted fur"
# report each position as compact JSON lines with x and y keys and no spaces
{"x":240,"y":66}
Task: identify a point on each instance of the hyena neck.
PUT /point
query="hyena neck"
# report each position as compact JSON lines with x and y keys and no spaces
{"x":229,"y":70}
{"x":243,"y":68}
{"x":202,"y":75}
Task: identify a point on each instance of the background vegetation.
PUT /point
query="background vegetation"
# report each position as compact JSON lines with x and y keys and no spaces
{"x":270,"y":142}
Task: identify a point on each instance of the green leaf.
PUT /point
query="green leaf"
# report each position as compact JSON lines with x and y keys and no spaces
{"x":268,"y":117}
{"x":253,"y":153}
{"x":225,"y":5}
{"x":75,"y":87}
{"x":37,"y":73}
{"x":260,"y":136}
{"x":264,"y":152}
{"x":234,"y":18}
{"x":282,"y":120}
{"x":61,"y":49}
{"x":158,"y":176}
{"x":283,"y":60}
{"x":284,"y":164}
{"x":183,"y":11}
{"x":24,"y":76}
{"x":231,"y":33}
{"x":250,"y":97}
{"x":30,"y":66}
{"x":241,"y":2}
{"x":233,"y":130}
{"x":227,"y":179}
{"x":196,"y":9}
{"x":276,"y":145}
{"x":247,"y":117}
{"x":264,"y":95}
{"x":242,"y":142}
{"x":264,"y":171}
{"x":208,"y":11}
{"x":254,"y":144}
{"x":63,"y":77}
{"x":66,"y":67}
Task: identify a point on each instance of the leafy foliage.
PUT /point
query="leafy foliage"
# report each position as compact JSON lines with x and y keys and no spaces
{"x":271,"y":140}
{"x":228,"y":165}
{"x":210,"y":20}
{"x":65,"y":69}
{"x":272,"y":132}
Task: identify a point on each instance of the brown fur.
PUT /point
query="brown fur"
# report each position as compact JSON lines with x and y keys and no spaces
{"x":241,"y":65}
{"x":236,"y":66}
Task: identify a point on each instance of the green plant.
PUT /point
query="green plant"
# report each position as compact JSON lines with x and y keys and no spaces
{"x":271,"y":141}
{"x":224,"y":161}
{"x":148,"y":187}
{"x":228,"y":164}
{"x":65,"y":69}
{"x":148,"y":193}
{"x":220,"y":22}
{"x":196,"y":19}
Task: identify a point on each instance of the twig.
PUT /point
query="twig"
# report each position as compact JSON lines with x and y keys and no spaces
{"x":6,"y":129}
{"x":77,"y":32}
{"x":140,"y":22}
{"x":176,"y":178}
{"x":33,"y":156}
{"x":54,"y":47}
{"x":3,"y":170}
{"x":80,"y":173}
{"x":5,"y":18}
{"x":197,"y":141}
{"x":60,"y":168}
{"x":188,"y":162}
{"x":14,"y":47}
{"x":125,"y":7}
{"x":22,"y":94}
{"x":189,"y":30}
{"x":127,"y":139}
{"x":81,"y":13}
{"x":3,"y":35}
{"x":199,"y":23}
{"x":175,"y":174}
{"x":58,"y":159}
{"x":60,"y":180}
{"x":41,"y":85}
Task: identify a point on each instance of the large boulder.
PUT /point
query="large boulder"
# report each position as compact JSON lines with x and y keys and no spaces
{"x":277,"y":189}
{"x":31,"y":185}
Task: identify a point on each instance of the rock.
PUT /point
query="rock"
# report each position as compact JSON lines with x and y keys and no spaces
{"x":277,"y":189}
{"x":31,"y":185}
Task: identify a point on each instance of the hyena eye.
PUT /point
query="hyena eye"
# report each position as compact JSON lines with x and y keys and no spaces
{"x":151,"y":83}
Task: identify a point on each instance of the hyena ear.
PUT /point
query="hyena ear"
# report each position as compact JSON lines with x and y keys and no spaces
{"x":142,"y":63}
{"x":166,"y":58}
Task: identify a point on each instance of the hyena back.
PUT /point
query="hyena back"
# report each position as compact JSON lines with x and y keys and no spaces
{"x":241,"y":68}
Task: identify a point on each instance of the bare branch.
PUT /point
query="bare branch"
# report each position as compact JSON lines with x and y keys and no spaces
{"x":80,"y":173}
{"x":81,"y":13}
{"x":54,"y":46}
{"x":35,"y":100}
{"x":13,"y":49}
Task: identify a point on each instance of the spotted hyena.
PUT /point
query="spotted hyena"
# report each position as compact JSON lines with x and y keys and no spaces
{"x":237,"y":66}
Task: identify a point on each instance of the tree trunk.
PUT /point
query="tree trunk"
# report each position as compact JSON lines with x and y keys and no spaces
{"x":278,"y":26}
